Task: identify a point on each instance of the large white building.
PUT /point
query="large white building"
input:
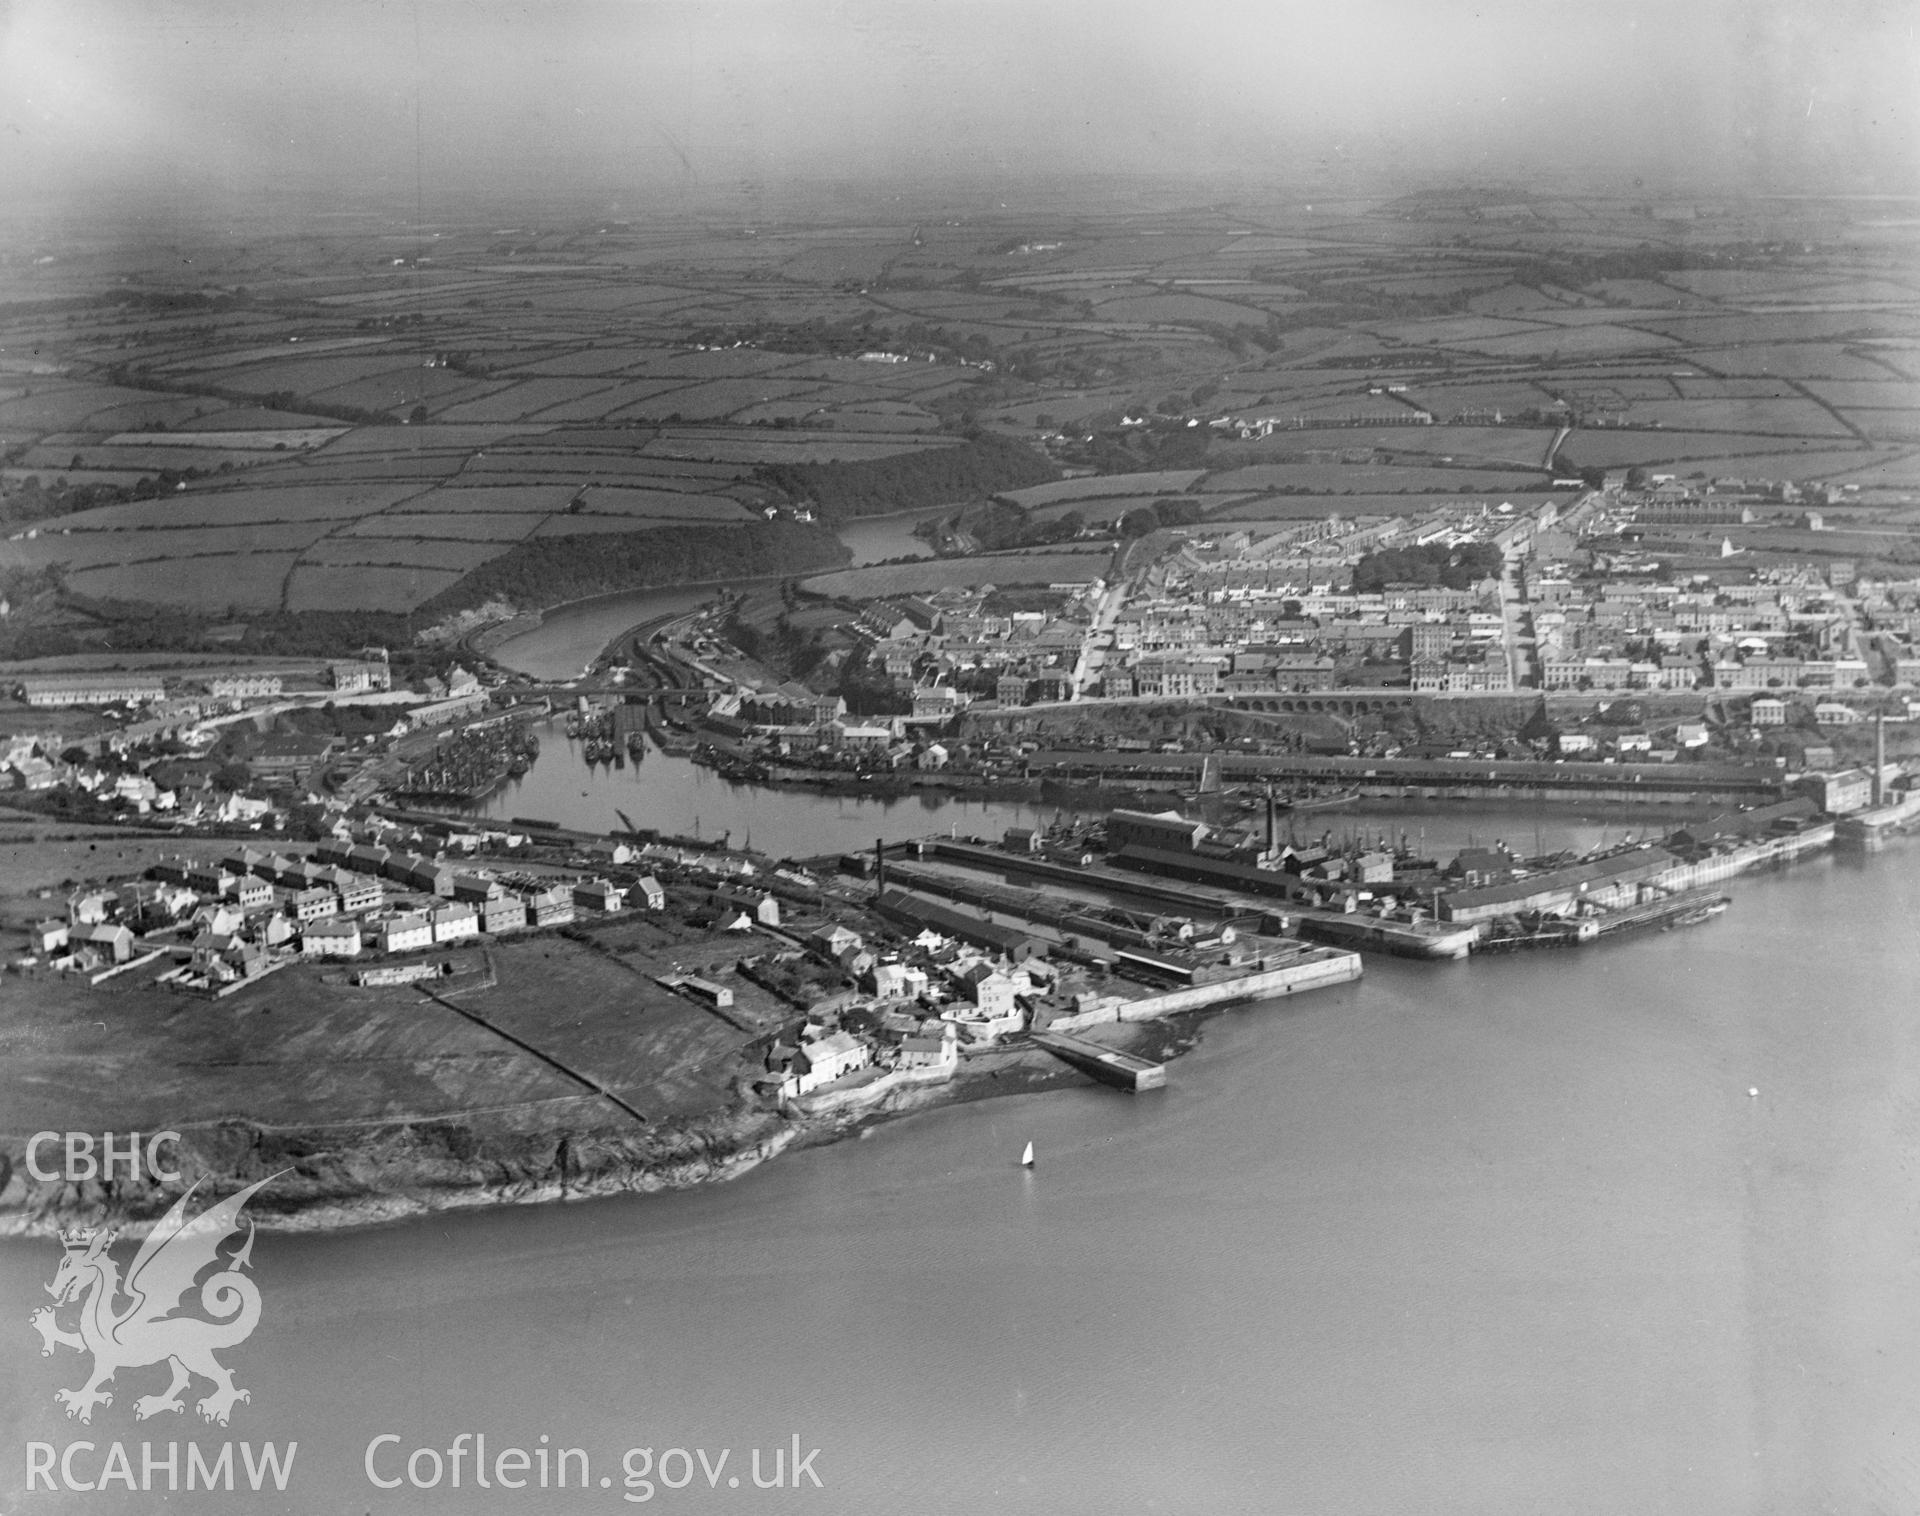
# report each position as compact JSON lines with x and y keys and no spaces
{"x":332,"y":938}
{"x":245,"y":684}
{"x":455,"y":920}
{"x":353,"y":678}
{"x":91,"y":689}
{"x":405,"y":934}
{"x":824,"y":1060}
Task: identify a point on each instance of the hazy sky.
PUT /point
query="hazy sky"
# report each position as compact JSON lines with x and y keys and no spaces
{"x":211,"y":103}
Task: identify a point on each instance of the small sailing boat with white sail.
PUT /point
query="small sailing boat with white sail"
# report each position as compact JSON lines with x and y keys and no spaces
{"x":1026,"y":1158}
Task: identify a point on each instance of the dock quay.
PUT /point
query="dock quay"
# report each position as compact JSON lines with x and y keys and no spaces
{"x":1873,"y":828}
{"x":1670,"y":910}
{"x":1072,"y":918}
{"x":1312,"y":968}
{"x":1282,"y":891}
{"x":1554,"y":932}
{"x":1403,"y":939}
{"x":1222,"y":892}
{"x":1106,"y":881}
{"x":1124,"y":1071}
{"x":1428,"y":778}
{"x":1763,"y":852}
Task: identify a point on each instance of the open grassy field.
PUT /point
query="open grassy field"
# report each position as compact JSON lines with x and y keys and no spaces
{"x":1102,"y":511}
{"x":1554,"y":344}
{"x":248,"y":581}
{"x":404,"y":552}
{"x":195,"y":360}
{"x":715,"y":401}
{"x":1900,"y":394}
{"x":63,"y":406}
{"x":1791,"y":360}
{"x":85,"y":550}
{"x":584,"y":525}
{"x":309,"y":376}
{"x":459,"y":439}
{"x":467,"y":500}
{"x":661,"y":369}
{"x":474,"y":526}
{"x":774,"y":447}
{"x":1758,"y":388}
{"x":82,"y":450}
{"x":592,"y":404}
{"x":1595,"y":448}
{"x":1505,"y":447}
{"x":1778,"y":326}
{"x":321,"y":1054}
{"x":1181,"y":307}
{"x":232,"y":507}
{"x":1384,"y":478}
{"x":1160,"y":482}
{"x":324,"y":587}
{"x":592,"y":362}
{"x":264,"y":439}
{"x":1776,"y":417}
{"x":1513,"y":300}
{"x":641,"y":504}
{"x":1901,"y":470}
{"x":399,"y":390}
{"x":529,"y":397}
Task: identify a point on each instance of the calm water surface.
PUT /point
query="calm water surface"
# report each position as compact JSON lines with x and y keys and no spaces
{"x":1503,"y":1236}
{"x":877,"y":539}
{"x":677,"y":795}
{"x":573,"y":636}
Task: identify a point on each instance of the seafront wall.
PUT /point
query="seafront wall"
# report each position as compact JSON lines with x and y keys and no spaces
{"x":1568,"y":795}
{"x":1751,"y":855}
{"x":864,"y":1097}
{"x":1336,"y":967}
{"x":1871,"y":828}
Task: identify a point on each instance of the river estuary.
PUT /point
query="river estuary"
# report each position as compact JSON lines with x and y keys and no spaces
{"x":1504,"y":1236}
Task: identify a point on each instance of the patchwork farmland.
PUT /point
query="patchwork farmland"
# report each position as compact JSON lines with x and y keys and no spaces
{"x":326,"y":424}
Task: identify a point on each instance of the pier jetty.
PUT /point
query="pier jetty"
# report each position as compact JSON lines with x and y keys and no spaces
{"x":1124,"y":1071}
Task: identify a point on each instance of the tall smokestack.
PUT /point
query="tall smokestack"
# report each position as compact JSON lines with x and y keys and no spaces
{"x":879,"y":865}
{"x":1879,"y":755}
{"x":1273,"y":825}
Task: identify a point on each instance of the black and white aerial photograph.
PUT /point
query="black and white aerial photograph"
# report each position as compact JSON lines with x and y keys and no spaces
{"x":927,"y":757}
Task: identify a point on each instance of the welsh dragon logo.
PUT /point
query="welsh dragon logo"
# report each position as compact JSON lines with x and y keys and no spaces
{"x":132,"y":1323}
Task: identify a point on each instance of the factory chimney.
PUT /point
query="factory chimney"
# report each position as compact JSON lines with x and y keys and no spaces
{"x":1273,"y":826}
{"x":879,"y":866}
{"x":1879,"y":756}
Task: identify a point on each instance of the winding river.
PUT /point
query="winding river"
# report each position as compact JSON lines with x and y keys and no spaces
{"x":1629,"y":1228}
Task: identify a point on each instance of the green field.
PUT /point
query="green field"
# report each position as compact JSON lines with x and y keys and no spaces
{"x":681,"y":378}
{"x":248,"y":581}
{"x":326,"y":1055}
{"x":325,"y":587}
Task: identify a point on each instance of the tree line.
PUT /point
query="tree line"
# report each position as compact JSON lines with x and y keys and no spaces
{"x":549,"y":570}
{"x":908,"y":481}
